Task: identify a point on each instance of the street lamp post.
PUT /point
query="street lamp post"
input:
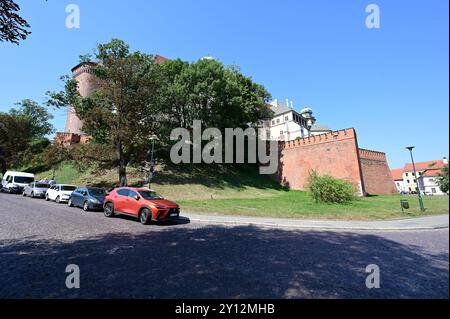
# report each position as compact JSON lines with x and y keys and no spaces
{"x":151,"y":170}
{"x":422,"y":208}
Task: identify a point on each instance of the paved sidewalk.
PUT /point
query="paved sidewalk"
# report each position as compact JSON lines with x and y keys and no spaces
{"x":419,"y":223}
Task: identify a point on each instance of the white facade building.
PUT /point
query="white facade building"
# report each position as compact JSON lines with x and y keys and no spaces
{"x":287,"y":124}
{"x":427,"y":175}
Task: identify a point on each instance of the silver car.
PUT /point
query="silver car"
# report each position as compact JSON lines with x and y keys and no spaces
{"x":36,"y":189}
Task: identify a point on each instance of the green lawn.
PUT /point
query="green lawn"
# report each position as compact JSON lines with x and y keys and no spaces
{"x":296,"y":204}
{"x":64,"y":174}
{"x":242,"y":191}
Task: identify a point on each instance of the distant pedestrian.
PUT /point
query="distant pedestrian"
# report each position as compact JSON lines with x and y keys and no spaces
{"x":52,"y":181}
{"x":44,"y":181}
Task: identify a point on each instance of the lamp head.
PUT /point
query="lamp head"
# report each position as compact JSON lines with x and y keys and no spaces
{"x":410,"y":148}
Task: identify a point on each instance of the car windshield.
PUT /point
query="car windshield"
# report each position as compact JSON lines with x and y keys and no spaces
{"x":96,"y":192}
{"x":23,"y":179}
{"x":68,"y":188}
{"x":42,"y":185}
{"x":150,"y":195}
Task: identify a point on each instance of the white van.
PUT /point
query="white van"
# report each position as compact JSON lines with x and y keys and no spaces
{"x":14,"y":182}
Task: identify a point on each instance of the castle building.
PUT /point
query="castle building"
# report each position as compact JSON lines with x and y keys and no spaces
{"x":87,"y":83}
{"x":304,"y":145}
{"x":83,"y":73}
{"x":287,"y":124}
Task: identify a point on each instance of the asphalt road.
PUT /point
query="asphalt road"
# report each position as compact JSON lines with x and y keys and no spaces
{"x":120,"y":258}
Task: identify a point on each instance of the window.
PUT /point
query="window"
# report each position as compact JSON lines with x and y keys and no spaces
{"x":132,"y":194}
{"x":415,"y":180}
{"x":281,"y":132}
{"x":278,"y":121}
{"x":433,"y":190}
{"x":123,"y":192}
{"x":406,"y":175}
{"x":273,"y":122}
{"x":150,"y":195}
{"x":68,"y":188}
{"x":286,"y":118}
{"x":407,"y":181}
{"x":96,"y":191}
{"x":23,"y":179}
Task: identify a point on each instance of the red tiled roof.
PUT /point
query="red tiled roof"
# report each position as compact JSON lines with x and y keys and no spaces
{"x":160,"y":59}
{"x":432,"y":173}
{"x":422,"y":166}
{"x":397,"y":174}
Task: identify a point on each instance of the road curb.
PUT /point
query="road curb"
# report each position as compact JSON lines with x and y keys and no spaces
{"x":317,"y":227}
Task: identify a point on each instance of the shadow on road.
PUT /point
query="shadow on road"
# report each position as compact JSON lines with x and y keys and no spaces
{"x":221,"y":262}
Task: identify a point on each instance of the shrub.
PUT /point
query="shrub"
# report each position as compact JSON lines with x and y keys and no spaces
{"x":328,"y":189}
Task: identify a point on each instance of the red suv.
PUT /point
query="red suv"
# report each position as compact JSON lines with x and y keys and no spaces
{"x":143,"y":203}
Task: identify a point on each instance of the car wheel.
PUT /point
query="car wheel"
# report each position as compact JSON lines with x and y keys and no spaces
{"x":86,"y":206}
{"x":145,"y":216}
{"x":57,"y":200}
{"x":109,"y":210}
{"x":69,"y":203}
{"x":47,"y":198}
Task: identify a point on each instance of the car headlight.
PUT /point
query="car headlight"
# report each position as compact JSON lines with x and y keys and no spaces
{"x":160,"y":207}
{"x":95,"y":201}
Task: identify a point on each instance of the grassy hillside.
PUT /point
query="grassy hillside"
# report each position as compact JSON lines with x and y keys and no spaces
{"x":225,"y":190}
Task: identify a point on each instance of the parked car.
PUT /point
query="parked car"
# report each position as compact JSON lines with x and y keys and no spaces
{"x":87,"y":198}
{"x":142,"y":203}
{"x":14,"y":182}
{"x":35,"y":189}
{"x":59,"y":193}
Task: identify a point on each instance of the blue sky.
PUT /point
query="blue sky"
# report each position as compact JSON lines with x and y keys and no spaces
{"x":391,"y":83}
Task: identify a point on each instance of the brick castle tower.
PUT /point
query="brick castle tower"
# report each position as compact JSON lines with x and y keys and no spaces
{"x":87,"y":83}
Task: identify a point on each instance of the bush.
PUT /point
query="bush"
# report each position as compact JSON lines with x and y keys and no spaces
{"x":328,"y":189}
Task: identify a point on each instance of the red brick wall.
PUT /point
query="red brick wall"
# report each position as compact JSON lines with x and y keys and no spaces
{"x":334,"y":153}
{"x":376,"y":173}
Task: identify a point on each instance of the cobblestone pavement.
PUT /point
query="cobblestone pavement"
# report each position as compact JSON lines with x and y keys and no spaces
{"x":120,"y":258}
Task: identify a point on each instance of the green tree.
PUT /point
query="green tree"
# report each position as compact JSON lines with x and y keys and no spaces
{"x":206,"y":90}
{"x":22,"y":133}
{"x":122,"y":111}
{"x":15,"y":136}
{"x":37,"y":115}
{"x":443,"y":179}
{"x":139,"y":98}
{"x":13,"y":27}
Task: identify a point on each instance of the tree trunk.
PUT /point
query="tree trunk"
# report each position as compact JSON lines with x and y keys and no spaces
{"x":2,"y":166}
{"x":123,"y":175}
{"x":122,"y":163}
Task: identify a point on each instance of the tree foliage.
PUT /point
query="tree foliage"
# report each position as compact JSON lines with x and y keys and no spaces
{"x":37,"y":115}
{"x":443,"y":179}
{"x":122,"y":111}
{"x":328,"y":189}
{"x":13,"y":28}
{"x":22,"y":133}
{"x":139,"y":98}
{"x":14,"y":138}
